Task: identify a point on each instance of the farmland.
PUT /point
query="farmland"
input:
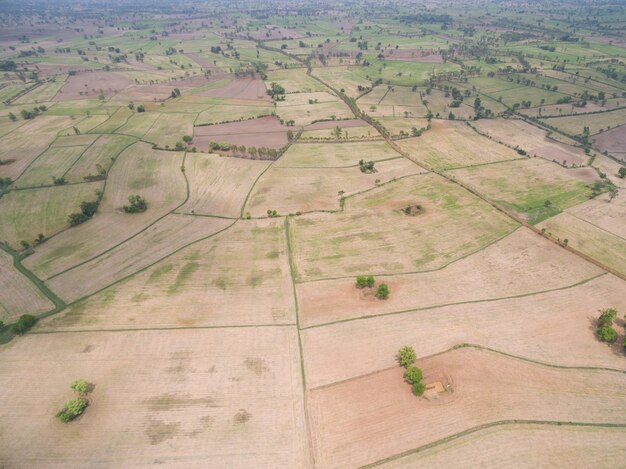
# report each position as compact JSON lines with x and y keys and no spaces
{"x":226,"y":229}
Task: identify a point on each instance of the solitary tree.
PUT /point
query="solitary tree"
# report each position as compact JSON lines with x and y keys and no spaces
{"x":24,"y":323}
{"x":413,"y":375}
{"x":81,"y":386}
{"x":382,"y":292}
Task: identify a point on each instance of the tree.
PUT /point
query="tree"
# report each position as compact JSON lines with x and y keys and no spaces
{"x":363,"y":281}
{"x":25,"y":244}
{"x":406,"y":356}
{"x":141,"y":108}
{"x":89,"y":208}
{"x":382,"y":292}
{"x":72,"y":409}
{"x":413,"y":375}
{"x":81,"y":386}
{"x":77,"y":218}
{"x":606,"y":317}
{"x":622,"y":172}
{"x":607,"y":334}
{"x":24,"y":324}
{"x":187,"y":138}
{"x":13,"y":117}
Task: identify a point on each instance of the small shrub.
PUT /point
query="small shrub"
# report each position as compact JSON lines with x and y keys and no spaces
{"x":363,"y":281}
{"x":406,"y":356}
{"x":81,"y":386}
{"x":382,"y":292}
{"x":606,"y":317}
{"x":137,"y":204}
{"x":24,"y":324}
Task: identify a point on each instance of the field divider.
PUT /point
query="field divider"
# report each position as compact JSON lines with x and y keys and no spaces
{"x":444,"y":305}
{"x":176,"y":328}
{"x":292,"y":276}
{"x":498,"y":423}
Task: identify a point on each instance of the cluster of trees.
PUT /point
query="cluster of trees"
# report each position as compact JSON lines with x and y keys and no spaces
{"x":38,"y":240}
{"x":276,"y":91}
{"x":621,"y":173}
{"x":75,"y":407}
{"x":24,"y":324}
{"x":413,"y":375}
{"x":175,"y":93}
{"x":605,"y":331}
{"x":272,"y":213}
{"x":368,"y":281}
{"x":27,"y":115}
{"x":137,"y":204}
{"x":241,"y":150}
{"x":366,"y":166}
{"x":87,"y":210}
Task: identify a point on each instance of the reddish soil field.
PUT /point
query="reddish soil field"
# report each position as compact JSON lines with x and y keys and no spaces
{"x":263,"y":132}
{"x":205,"y":63}
{"x":332,"y":124}
{"x":371,"y":418}
{"x":560,"y":152}
{"x":275,"y":32}
{"x":88,"y":85}
{"x":241,"y":88}
{"x":613,"y":141}
{"x":414,"y":55}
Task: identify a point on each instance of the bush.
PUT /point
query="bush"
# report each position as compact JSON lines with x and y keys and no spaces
{"x":24,"y":324}
{"x":72,"y":409}
{"x":363,"y":281}
{"x":606,"y":317}
{"x":77,"y":218}
{"x":413,"y":375}
{"x":81,"y":386}
{"x":406,"y":356}
{"x":418,"y":389}
{"x":89,"y":208}
{"x":382,"y":292}
{"x":141,"y":108}
{"x":137,"y":204}
{"x":607,"y":334}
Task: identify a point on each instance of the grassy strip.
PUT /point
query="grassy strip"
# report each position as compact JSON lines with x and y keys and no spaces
{"x":6,"y":334}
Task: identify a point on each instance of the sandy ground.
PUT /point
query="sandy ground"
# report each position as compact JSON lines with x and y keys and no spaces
{"x":519,"y":264}
{"x":555,"y":327}
{"x":374,"y":417}
{"x":208,"y":397}
{"x":334,"y":155}
{"x":262,"y":132}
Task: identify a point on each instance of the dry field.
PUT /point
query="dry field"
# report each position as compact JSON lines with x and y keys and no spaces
{"x":296,"y":107}
{"x":518,"y":265}
{"x":219,"y":185}
{"x":101,"y":154}
{"x":263,"y":132}
{"x":117,"y":119}
{"x":450,"y":145}
{"x":334,"y":155}
{"x":345,"y":78}
{"x":531,"y":139}
{"x":295,"y":81}
{"x":524,"y":446}
{"x":17,"y":294}
{"x":574,"y":125}
{"x":524,"y":186}
{"x":27,"y":142}
{"x":226,"y":280}
{"x":26,"y":213}
{"x":374,"y":236}
{"x":439,"y":104}
{"x":153,"y":174}
{"x":613,"y":141}
{"x":233,"y":111}
{"x":170,"y":128}
{"x":395,"y":125}
{"x":292,"y":190}
{"x":374,"y":417}
{"x":138,"y":124}
{"x":91,"y":85}
{"x":150,"y":245}
{"x":208,"y":397}
{"x":54,"y":162}
{"x":240,"y":88}
{"x":588,"y":238}
{"x":396,"y":101}
{"x":555,"y":327}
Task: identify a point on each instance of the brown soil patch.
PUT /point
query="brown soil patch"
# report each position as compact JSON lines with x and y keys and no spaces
{"x":89,"y":85}
{"x":613,"y":141}
{"x":263,"y":132}
{"x":240,"y":88}
{"x":371,"y":418}
{"x":560,"y":153}
{"x":413,"y":55}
